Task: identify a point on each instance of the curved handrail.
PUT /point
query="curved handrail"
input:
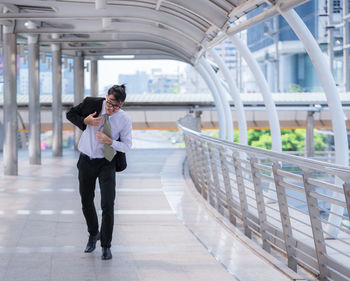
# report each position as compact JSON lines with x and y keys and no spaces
{"x":292,"y":217}
{"x":293,"y":159}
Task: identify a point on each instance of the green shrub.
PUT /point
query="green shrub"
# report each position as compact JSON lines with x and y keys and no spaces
{"x":292,"y":139}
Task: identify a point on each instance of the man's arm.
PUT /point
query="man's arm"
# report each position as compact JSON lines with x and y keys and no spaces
{"x":80,"y":117}
{"x":75,"y":116}
{"x":125,"y":138}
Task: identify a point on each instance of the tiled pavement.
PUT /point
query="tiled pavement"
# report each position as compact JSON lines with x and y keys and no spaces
{"x":161,"y":231}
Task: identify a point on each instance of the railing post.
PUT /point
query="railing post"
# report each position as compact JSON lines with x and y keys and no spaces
{"x":226,"y":176}
{"x":207,"y":173}
{"x":346,"y":187}
{"x":285,"y":218}
{"x":189,"y":153}
{"x":199,"y":169}
{"x":192,"y":160}
{"x":259,"y":196}
{"x":214,"y":171}
{"x":188,"y":150}
{"x":316,"y":225}
{"x":241,"y":192}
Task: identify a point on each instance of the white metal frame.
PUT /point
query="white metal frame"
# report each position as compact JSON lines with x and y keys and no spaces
{"x":264,"y":89}
{"x":224,"y":103}
{"x":206,"y":77}
{"x":331,"y":92}
{"x":233,"y":90}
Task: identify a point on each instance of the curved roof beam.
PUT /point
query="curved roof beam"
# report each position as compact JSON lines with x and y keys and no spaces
{"x":72,"y":53}
{"x":136,"y":50}
{"x":76,"y":26}
{"x":119,"y":44}
{"x":125,"y":40}
{"x":175,"y":39}
{"x":232,"y":30}
{"x":73,"y":11}
{"x":207,"y":10}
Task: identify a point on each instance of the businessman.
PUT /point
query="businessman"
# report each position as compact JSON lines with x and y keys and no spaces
{"x":106,"y":129}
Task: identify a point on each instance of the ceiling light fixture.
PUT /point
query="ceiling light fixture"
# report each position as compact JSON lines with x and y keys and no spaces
{"x":118,"y":56}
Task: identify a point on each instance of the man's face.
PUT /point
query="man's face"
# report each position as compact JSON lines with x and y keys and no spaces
{"x":111,"y":105}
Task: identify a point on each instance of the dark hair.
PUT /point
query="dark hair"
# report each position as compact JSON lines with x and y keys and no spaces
{"x":118,"y":91}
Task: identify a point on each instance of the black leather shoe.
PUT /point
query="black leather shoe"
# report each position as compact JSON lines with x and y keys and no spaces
{"x":91,"y":244}
{"x":106,"y":253}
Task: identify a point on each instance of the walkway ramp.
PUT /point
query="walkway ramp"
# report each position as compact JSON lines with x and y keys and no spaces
{"x":162,"y":231}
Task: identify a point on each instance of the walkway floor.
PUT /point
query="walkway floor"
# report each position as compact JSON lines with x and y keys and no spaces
{"x":162,"y":232}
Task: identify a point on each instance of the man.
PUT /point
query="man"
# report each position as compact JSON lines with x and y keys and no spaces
{"x":106,"y":129}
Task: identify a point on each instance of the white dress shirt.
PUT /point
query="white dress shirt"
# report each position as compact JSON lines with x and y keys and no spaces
{"x":121,"y":127}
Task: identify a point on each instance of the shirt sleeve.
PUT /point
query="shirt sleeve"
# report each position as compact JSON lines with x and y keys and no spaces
{"x":125,"y":135}
{"x":75,"y":116}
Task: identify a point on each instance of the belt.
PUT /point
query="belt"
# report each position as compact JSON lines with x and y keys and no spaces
{"x":88,"y":157}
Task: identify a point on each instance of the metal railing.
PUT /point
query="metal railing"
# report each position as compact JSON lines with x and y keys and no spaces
{"x":241,"y":183}
{"x":321,"y":155}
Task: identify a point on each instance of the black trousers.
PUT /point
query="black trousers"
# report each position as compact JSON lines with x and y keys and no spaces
{"x":89,"y":171}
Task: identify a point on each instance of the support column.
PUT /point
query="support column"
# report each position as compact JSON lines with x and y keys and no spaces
{"x":242,"y":123}
{"x":222,"y":122}
{"x":264,"y":88}
{"x":10,"y":102}
{"x":225,"y":105}
{"x":56,"y":100}
{"x":34,"y":100}
{"x":78,"y":90}
{"x":334,"y":104}
{"x":309,"y":134}
{"x":277,"y":54}
{"x":346,"y":46}
{"x":239,"y":71}
{"x":330,"y":35}
{"x":94,"y":78}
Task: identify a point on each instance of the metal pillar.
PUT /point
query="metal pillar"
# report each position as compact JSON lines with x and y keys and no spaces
{"x":78,"y":90}
{"x":34,"y":100}
{"x":225,"y":105}
{"x":10,"y":102}
{"x":277,"y":54}
{"x":56,"y":100}
{"x":94,"y":78}
{"x":239,"y":71}
{"x":335,"y":106}
{"x":330,"y":32}
{"x":242,"y":123}
{"x":222,"y":122}
{"x":264,"y":88}
{"x":309,"y":134}
{"x":346,"y":46}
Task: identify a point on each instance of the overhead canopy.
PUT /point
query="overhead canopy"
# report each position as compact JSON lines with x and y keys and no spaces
{"x":149,"y":29}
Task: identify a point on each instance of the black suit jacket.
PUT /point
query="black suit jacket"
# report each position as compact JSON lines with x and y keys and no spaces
{"x":78,"y":113}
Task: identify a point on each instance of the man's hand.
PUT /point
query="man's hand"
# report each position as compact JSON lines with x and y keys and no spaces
{"x":93,"y":121}
{"x":102,"y":137}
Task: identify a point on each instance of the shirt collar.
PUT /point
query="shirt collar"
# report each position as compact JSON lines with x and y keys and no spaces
{"x":103,"y":111}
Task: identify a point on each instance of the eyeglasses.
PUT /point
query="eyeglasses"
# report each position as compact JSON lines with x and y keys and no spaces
{"x":115,"y":106}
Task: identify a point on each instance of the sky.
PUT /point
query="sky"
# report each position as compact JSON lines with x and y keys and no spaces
{"x":109,"y":70}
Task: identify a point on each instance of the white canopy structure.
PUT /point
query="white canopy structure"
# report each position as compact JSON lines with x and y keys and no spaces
{"x":183,"y":30}
{"x":177,"y":29}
